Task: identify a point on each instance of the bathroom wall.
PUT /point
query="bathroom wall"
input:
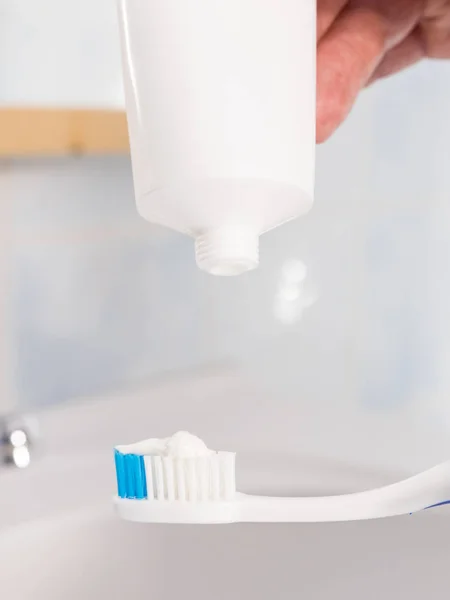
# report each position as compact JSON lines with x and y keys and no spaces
{"x":8,"y":391}
{"x":60,"y":53}
{"x":97,"y":297}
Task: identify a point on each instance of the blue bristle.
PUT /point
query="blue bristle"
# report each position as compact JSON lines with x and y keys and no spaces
{"x":120,"y":474}
{"x":142,"y":478}
{"x":130,"y":472}
{"x":130,"y":469}
{"x":138,"y":487}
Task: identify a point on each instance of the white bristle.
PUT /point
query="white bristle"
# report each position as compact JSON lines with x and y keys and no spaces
{"x":181,"y":480}
{"x":204,"y":479}
{"x":215,"y":477}
{"x":169,"y":478}
{"x":148,"y":463}
{"x":159,"y":478}
{"x":192,"y":481}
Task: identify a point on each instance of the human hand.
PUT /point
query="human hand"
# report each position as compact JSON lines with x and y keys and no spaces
{"x":360,"y":41}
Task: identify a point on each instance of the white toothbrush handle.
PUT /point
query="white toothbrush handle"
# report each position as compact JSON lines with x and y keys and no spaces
{"x":414,"y":494}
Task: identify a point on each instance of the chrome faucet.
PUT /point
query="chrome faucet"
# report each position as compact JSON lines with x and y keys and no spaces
{"x":17,"y":435}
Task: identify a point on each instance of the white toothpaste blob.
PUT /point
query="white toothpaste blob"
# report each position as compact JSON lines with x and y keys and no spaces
{"x":180,"y":445}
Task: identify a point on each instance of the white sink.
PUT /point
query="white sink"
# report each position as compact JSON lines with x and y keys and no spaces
{"x":59,"y":538}
{"x":92,"y":555}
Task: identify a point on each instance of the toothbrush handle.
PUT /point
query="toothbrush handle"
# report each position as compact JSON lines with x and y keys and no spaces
{"x":426,"y":490}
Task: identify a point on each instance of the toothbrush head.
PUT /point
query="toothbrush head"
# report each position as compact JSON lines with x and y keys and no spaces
{"x":174,"y":489}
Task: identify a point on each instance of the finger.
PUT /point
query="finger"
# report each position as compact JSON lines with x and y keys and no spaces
{"x":435,"y":29}
{"x":327,"y":13}
{"x":407,"y":53}
{"x":351,"y":50}
{"x":400,"y":16}
{"x":346,"y":58}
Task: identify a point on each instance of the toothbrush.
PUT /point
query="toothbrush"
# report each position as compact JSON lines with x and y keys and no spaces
{"x":201,"y":489}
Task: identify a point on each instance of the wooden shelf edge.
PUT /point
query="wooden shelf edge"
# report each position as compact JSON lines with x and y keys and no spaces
{"x":59,"y":132}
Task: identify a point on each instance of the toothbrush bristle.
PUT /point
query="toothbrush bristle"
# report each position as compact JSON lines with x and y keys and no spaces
{"x":204,"y":479}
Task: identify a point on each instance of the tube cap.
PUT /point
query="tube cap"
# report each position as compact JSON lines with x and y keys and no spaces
{"x":227,"y":251}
